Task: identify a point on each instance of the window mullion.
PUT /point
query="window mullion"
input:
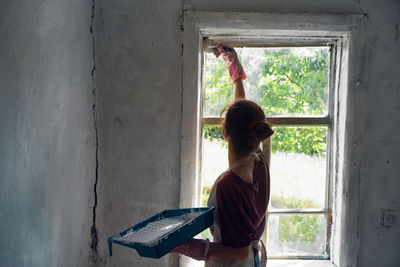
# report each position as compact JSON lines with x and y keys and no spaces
{"x":298,"y":121}
{"x":297,"y":211}
{"x":280,"y":121}
{"x":266,"y":148}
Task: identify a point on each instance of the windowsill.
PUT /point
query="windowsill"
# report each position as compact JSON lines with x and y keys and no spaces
{"x":275,"y":263}
{"x":300,"y":263}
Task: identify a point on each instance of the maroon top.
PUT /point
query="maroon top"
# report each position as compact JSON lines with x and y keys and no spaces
{"x":242,"y":205}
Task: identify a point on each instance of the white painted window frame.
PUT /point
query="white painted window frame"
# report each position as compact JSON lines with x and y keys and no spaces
{"x":278,"y":29}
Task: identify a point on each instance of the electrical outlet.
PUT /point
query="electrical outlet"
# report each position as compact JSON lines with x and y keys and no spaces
{"x":388,"y":218}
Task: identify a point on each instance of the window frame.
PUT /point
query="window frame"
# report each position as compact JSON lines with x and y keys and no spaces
{"x":278,"y":27}
{"x":285,"y":121}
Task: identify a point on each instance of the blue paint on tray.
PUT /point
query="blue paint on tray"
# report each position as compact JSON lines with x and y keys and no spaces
{"x":161,"y":233}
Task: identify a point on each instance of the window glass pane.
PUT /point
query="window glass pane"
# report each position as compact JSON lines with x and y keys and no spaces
{"x":218,"y":86}
{"x":283,"y":81}
{"x":298,"y":167}
{"x":214,"y":160}
{"x":296,"y":235}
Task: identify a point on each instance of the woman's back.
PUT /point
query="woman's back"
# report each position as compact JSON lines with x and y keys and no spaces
{"x":240,"y":209}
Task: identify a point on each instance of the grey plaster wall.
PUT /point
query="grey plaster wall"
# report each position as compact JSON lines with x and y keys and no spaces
{"x":138,"y":57}
{"x":46,"y":133}
{"x":380,"y":142}
{"x":138,"y":70}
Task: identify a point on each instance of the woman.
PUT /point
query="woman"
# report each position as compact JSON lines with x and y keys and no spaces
{"x":240,"y":195}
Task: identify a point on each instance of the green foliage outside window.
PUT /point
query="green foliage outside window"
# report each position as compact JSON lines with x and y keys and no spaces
{"x":299,"y":229}
{"x":296,"y":228}
{"x":220,"y":89}
{"x":290,"y":83}
{"x":308,"y":140}
{"x":294,"y":84}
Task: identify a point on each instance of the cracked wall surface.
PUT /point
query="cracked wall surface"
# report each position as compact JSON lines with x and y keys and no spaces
{"x":93,"y":255}
{"x":46,"y":133}
{"x":90,"y":114}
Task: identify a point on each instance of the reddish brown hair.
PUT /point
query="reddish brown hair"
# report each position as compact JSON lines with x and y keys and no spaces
{"x":245,"y":124}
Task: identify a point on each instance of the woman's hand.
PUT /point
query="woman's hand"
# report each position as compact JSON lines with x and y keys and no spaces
{"x":235,"y":69}
{"x":194,"y":248}
{"x":200,"y":249}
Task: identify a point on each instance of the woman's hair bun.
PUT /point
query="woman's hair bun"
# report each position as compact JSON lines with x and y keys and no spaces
{"x":260,"y":130}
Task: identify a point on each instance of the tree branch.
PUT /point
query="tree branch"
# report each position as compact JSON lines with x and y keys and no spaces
{"x":294,"y":82}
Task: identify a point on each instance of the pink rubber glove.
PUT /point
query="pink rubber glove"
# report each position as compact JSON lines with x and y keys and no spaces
{"x":194,"y":248}
{"x":235,"y":69}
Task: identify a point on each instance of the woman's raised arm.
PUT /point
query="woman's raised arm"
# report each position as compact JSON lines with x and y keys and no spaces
{"x":235,"y":70}
{"x":238,"y":90}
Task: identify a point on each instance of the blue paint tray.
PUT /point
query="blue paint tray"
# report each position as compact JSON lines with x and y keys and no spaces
{"x":161,"y":233}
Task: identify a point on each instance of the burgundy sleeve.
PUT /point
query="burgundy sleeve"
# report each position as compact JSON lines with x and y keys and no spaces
{"x":234,"y":223}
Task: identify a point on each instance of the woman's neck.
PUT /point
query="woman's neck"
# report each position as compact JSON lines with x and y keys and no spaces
{"x":244,"y":169}
{"x":233,"y":156}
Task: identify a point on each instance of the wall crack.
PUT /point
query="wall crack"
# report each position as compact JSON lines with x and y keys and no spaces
{"x":93,"y":230}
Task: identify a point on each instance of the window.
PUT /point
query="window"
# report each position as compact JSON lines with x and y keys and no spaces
{"x":332,"y":213}
{"x":292,"y":86}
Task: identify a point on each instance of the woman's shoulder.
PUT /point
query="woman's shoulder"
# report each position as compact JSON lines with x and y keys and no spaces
{"x":260,"y":154}
{"x":229,"y":181}
{"x":263,"y":160}
{"x":226,"y":178}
